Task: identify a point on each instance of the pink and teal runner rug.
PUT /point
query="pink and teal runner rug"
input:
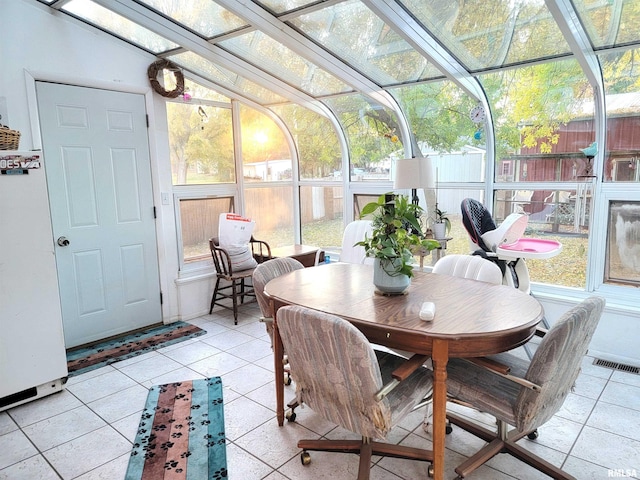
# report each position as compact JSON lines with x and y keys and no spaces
{"x":181,"y":433}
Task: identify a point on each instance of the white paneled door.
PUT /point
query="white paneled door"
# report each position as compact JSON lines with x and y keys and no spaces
{"x":98,"y":172}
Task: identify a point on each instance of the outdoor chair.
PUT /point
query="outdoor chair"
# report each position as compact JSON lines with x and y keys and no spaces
{"x":233,"y":269}
{"x":523,"y":393}
{"x":362,"y":390}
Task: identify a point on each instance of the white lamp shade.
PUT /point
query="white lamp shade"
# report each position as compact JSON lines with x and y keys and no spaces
{"x":414,"y":173}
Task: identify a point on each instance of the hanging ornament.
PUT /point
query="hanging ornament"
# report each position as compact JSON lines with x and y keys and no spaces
{"x":478,"y":134}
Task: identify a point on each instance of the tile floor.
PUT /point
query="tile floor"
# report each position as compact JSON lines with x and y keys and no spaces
{"x":86,"y":431}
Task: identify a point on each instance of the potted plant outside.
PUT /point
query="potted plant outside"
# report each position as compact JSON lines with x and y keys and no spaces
{"x":393,"y":237}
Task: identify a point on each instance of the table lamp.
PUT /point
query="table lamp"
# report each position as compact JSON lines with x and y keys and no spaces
{"x":414,"y":173}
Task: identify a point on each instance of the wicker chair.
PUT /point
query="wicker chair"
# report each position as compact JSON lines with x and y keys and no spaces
{"x":364,"y":391}
{"x":523,"y":393}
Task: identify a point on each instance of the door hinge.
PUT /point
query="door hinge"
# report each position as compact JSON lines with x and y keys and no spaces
{"x":147,"y":118}
{"x":154,"y":212}
{"x":160,"y":298}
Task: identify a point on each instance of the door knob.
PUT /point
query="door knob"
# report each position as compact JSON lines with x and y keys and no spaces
{"x":63,"y":242}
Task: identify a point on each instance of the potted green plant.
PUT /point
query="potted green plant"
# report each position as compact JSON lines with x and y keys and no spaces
{"x":395,"y":233}
{"x":442,"y":224}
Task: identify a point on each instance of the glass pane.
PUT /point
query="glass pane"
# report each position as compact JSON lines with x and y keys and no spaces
{"x":355,"y":34}
{"x":609,"y":23}
{"x":225,"y":78}
{"x":492,"y":33}
{"x":194,"y":90}
{"x":119,"y":25}
{"x":316,"y":141}
{"x":277,"y":59}
{"x":561,"y":215}
{"x":199,"y":222}
{"x":203,"y":16}
{"x":265,"y":152}
{"x":372,"y":134}
{"x":438,"y":114}
{"x":272,"y":210}
{"x":281,"y":6}
{"x":201,"y":144}
{"x":321,"y":215}
{"x":622,"y":158}
{"x":540,"y":136}
{"x":623,"y":244}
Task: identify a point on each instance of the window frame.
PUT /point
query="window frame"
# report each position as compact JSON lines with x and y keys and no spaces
{"x":184,"y":193}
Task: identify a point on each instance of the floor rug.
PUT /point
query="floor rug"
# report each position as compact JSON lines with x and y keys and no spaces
{"x":181,"y":433}
{"x":107,"y":352}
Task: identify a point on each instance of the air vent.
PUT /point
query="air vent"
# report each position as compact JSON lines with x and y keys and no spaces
{"x":616,"y":366}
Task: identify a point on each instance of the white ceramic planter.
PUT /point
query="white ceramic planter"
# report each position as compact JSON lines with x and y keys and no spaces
{"x":391,"y":284}
{"x":439,"y":230}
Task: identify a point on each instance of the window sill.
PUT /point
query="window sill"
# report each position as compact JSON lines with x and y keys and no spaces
{"x":195,"y":273}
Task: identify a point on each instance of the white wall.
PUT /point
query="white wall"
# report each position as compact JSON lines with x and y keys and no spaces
{"x":38,"y":45}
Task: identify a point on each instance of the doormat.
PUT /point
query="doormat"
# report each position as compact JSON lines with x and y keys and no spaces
{"x":129,"y":345}
{"x":181,"y":433}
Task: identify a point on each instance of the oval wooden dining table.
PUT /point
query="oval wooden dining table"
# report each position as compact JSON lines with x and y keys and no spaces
{"x":472,"y":319}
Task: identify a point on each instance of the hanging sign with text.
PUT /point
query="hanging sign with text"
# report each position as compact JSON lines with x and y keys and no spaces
{"x":18,"y":164}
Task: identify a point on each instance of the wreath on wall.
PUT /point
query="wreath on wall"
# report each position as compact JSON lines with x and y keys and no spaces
{"x":159,"y":66}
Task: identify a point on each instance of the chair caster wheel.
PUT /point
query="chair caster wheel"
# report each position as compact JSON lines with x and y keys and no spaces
{"x":287,"y":379}
{"x":291,"y":416}
{"x":430,"y":471}
{"x":448,"y":429}
{"x":305,"y":458}
{"x":532,"y":435}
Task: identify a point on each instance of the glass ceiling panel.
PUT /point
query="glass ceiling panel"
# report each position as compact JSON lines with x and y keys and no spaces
{"x":202,"y":16}
{"x":438,"y":115}
{"x":281,"y":6}
{"x":484,"y":34}
{"x":316,"y":141}
{"x":542,"y":109}
{"x":372,"y":135}
{"x":358,"y":36}
{"x":610,"y":23}
{"x":197,"y":91}
{"x":118,"y":25}
{"x":274,"y":57}
{"x":226,"y":78}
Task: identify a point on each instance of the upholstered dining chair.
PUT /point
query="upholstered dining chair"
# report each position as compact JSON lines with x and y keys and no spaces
{"x":463,"y":266}
{"x":261,"y":276}
{"x":469,"y":266}
{"x":523,"y":393}
{"x":235,"y":267}
{"x":343,"y":379}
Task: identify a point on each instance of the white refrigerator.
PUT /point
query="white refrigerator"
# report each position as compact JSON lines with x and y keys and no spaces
{"x":32,"y":350}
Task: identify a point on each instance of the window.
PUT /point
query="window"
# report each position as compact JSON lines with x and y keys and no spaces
{"x":197,"y":222}
{"x":623,"y":243}
{"x":272,"y":209}
{"x":201,"y":143}
{"x":265,"y":152}
{"x":321,"y":212}
{"x":202,"y":171}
